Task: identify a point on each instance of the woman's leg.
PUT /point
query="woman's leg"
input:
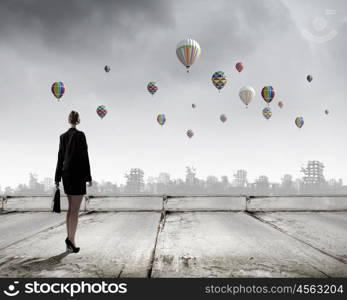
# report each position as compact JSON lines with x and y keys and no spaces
{"x":68,"y":216}
{"x":74,"y":207}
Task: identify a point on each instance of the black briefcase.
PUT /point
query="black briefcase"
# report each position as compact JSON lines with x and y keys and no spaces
{"x":56,"y":201}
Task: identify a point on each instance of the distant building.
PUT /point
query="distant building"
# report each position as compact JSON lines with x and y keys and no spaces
{"x":313,"y":175}
{"x":135,"y":182}
{"x":191,"y":176}
{"x":240,"y":178}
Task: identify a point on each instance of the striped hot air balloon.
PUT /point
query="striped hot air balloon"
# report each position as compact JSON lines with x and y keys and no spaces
{"x":299,"y":122}
{"x":152,"y":87}
{"x":268,"y":93}
{"x":161,"y":119}
{"x":190,"y":133}
{"x":219,"y":80}
{"x":223,"y":118}
{"x":58,"y":89}
{"x":101,"y":111}
{"x":188,"y":51}
{"x":267,"y":113}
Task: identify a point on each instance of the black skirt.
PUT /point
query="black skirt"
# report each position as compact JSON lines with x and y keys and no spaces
{"x":73,"y":185}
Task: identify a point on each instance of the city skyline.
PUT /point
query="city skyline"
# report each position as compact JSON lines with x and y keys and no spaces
{"x":312,"y":180}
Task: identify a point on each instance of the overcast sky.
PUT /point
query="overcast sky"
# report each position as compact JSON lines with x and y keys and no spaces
{"x":279,"y":42}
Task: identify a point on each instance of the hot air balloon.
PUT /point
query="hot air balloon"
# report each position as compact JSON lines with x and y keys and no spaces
{"x":101,"y":111}
{"x":239,"y":67}
{"x":152,"y":87}
{"x":107,"y":68}
{"x":267,"y":113}
{"x":309,"y":78}
{"x":299,"y":122}
{"x":280,"y":104}
{"x":188,"y":51}
{"x":268,"y":93}
{"x":219,"y":80}
{"x":193,"y":105}
{"x":326,"y":111}
{"x":58,"y":89}
{"x":246,"y":94}
{"x":190,"y":133}
{"x":161,"y":119}
{"x":223,"y":118}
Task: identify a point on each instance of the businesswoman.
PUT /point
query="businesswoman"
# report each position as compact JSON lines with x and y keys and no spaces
{"x":73,"y":167}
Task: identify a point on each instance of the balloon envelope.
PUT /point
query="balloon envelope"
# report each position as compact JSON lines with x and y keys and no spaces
{"x":101,"y":111}
{"x":299,"y":122}
{"x":190,"y":133}
{"x":107,"y":68}
{"x":188,"y":51}
{"x":326,"y":112}
{"x":58,"y":89}
{"x":280,"y":104}
{"x":309,"y":78}
{"x":223,"y":118}
{"x":161,"y":119}
{"x":152,"y":87}
{"x":246,"y":94}
{"x":219,"y":80}
{"x":267,"y":113}
{"x":268,"y":93}
{"x":239,"y":67}
{"x":193,"y":105}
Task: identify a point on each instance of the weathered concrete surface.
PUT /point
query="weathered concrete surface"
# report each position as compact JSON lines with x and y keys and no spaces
{"x":226,"y":244}
{"x":323,"y":230}
{"x":296,"y":203}
{"x":34,"y":204}
{"x":112,"y":245}
{"x":125,"y":203}
{"x":17,"y":226}
{"x":206,"y":203}
{"x":198,"y":237}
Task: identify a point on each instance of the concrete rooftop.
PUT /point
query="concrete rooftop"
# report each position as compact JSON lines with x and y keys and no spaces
{"x":181,"y":236}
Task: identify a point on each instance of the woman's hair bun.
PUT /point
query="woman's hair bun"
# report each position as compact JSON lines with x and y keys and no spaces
{"x":74,"y":117}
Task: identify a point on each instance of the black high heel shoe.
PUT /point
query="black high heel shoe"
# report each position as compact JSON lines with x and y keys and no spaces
{"x":70,"y":247}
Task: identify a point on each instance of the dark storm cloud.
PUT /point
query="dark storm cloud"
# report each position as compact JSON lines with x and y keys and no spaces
{"x":74,"y":23}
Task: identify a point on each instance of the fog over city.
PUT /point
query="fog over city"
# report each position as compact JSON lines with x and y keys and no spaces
{"x":279,"y":43}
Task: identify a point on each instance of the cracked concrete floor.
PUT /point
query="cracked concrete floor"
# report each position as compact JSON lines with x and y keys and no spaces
{"x":179,"y":244}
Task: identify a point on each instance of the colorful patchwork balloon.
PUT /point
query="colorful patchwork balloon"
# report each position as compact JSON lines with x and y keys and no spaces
{"x":239,"y":67}
{"x":152,"y":87}
{"x":299,"y":122}
{"x":190,"y":133}
{"x":101,"y":111}
{"x":219,"y":80}
{"x":267,"y":113}
{"x":223,"y":118}
{"x":268,"y":93}
{"x":58,"y":89}
{"x":246,"y":94}
{"x":280,"y":104}
{"x":161,"y":119}
{"x":188,"y":51}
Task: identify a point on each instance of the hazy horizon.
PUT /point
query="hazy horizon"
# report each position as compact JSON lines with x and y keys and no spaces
{"x":42,"y":43}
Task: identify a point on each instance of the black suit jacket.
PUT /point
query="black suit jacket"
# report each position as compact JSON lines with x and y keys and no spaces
{"x":73,"y":156}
